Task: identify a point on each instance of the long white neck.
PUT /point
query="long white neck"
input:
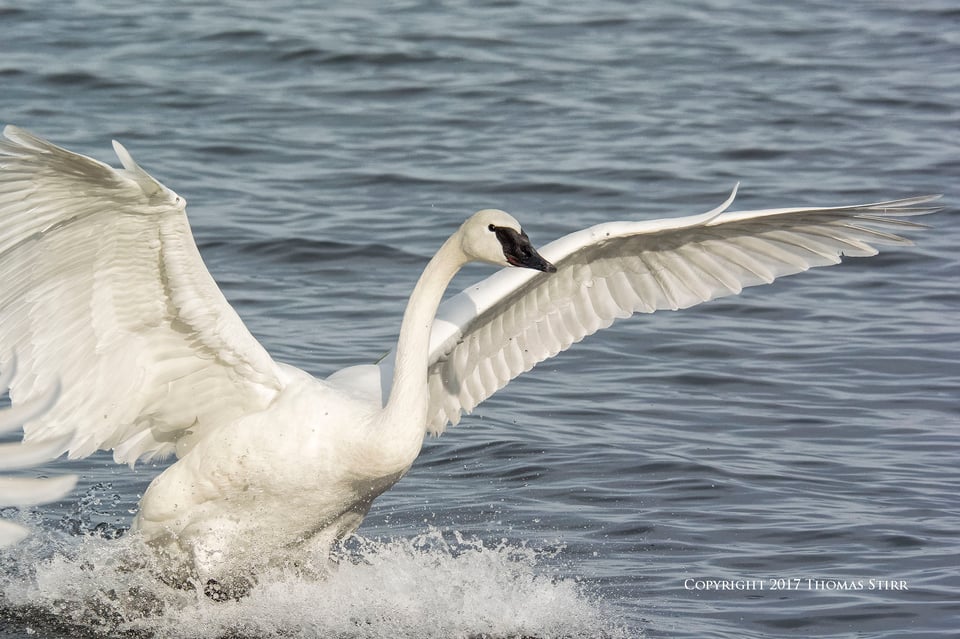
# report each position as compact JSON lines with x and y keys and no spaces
{"x":407,"y":403}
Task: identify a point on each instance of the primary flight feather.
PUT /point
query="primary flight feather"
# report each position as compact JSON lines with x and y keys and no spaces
{"x":25,"y":491}
{"x":103,"y":291}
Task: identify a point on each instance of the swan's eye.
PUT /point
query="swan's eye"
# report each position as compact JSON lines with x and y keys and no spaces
{"x":492,"y":228}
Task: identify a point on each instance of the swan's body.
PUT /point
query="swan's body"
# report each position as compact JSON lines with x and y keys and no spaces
{"x":305,"y":470}
{"x":117,"y":305}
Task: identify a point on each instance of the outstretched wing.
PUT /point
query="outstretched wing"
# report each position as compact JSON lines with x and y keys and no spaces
{"x":490,"y":333}
{"x":103,"y":291}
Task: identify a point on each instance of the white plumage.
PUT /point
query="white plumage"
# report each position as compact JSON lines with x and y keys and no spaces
{"x":493,"y":331}
{"x":23,"y":491}
{"x":103,"y":290}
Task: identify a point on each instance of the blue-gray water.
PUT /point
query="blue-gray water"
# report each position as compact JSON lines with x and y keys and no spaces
{"x":804,"y":434}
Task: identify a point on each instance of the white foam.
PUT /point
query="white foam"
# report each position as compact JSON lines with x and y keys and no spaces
{"x":434,"y":585}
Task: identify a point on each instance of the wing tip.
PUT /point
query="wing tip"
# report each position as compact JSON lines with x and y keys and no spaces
{"x":14,"y":132}
{"x":150,"y":186}
{"x":19,"y":139}
{"x":125,"y":158}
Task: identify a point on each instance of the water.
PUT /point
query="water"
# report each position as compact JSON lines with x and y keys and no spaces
{"x":802,"y":435}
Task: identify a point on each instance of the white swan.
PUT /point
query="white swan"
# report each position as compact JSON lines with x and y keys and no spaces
{"x":23,"y":491}
{"x":102,"y":287}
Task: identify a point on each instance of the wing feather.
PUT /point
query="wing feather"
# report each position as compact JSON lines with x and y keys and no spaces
{"x":24,"y":491}
{"x":506,"y":324}
{"x":103,"y":290}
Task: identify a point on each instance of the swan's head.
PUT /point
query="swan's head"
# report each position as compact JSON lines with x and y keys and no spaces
{"x":495,"y":237}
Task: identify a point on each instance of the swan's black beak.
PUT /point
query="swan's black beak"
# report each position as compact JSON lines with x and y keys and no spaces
{"x":518,"y":251}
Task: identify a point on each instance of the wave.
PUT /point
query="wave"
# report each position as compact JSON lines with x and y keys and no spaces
{"x":436,"y":584}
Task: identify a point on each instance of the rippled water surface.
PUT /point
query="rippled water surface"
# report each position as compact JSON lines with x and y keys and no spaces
{"x":802,"y":435}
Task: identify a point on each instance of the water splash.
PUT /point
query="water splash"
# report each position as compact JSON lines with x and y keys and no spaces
{"x":436,"y":584}
{"x":98,"y":502}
